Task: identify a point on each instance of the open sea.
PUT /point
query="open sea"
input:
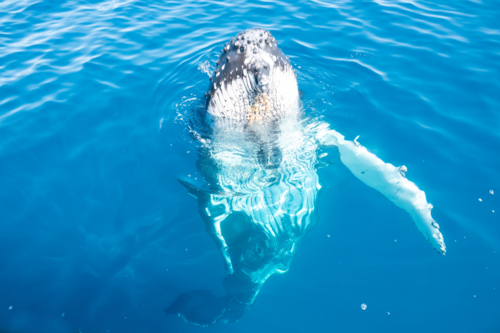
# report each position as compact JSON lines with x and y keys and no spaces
{"x":96,"y":106}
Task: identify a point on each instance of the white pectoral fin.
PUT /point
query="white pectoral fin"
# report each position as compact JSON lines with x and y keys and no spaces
{"x":388,"y":180}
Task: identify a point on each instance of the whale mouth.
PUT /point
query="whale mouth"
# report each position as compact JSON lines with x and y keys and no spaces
{"x":261,"y":275}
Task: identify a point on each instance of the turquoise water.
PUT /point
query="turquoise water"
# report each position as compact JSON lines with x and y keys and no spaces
{"x":96,"y":105}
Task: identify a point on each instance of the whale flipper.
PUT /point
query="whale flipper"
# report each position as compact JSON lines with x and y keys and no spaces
{"x":388,"y":180}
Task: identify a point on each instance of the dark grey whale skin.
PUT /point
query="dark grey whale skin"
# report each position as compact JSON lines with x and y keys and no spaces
{"x":202,"y":307}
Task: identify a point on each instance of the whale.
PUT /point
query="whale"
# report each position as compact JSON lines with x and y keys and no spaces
{"x":259,"y":158}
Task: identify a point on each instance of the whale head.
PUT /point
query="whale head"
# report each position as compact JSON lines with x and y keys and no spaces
{"x":253,"y":80}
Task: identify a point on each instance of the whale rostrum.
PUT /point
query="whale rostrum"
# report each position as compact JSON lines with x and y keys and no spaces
{"x":259,"y":164}
{"x":253,"y":79}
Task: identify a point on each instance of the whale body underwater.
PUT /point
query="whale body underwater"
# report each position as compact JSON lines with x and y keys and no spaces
{"x":259,"y":162}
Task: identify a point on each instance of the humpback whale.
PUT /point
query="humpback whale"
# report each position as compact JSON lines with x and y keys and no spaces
{"x":259,"y":162}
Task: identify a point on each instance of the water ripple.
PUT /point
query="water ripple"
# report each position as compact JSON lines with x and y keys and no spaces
{"x":97,"y":118}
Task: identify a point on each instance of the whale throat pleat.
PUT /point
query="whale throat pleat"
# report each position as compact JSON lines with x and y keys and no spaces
{"x":232,"y":97}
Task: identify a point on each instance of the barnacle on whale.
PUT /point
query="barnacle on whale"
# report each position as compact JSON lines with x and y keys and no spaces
{"x":260,"y":109}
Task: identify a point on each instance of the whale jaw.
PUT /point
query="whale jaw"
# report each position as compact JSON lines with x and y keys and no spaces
{"x":253,"y":80}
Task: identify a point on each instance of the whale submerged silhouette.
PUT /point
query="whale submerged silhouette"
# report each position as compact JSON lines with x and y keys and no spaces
{"x":259,"y":162}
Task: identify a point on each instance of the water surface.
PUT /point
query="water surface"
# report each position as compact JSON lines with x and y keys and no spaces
{"x":96,"y":103}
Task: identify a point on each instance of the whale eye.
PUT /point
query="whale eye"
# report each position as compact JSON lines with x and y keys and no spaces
{"x":259,"y":249}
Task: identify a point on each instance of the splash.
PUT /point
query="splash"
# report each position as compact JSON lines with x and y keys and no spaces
{"x":205,"y":67}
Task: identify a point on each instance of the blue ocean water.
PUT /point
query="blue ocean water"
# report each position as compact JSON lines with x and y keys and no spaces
{"x":96,"y":97}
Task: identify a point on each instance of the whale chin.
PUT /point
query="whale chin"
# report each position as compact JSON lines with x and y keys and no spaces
{"x":253,"y":80}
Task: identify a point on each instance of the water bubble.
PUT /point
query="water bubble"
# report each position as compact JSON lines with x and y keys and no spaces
{"x":491,"y":192}
{"x":389,"y":313}
{"x":481,"y":200}
{"x":363,"y":306}
{"x":328,"y":236}
{"x":11,"y":307}
{"x":62,"y":314}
